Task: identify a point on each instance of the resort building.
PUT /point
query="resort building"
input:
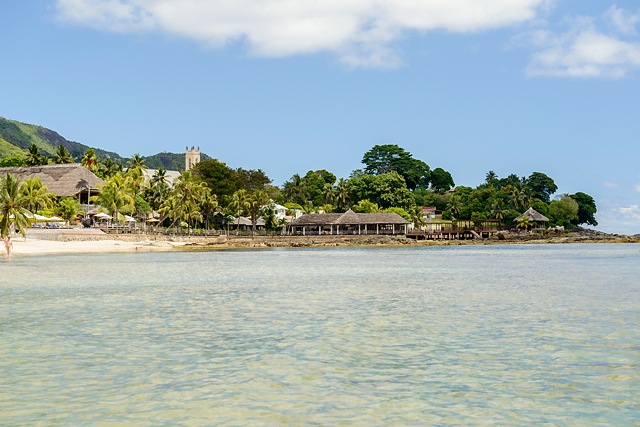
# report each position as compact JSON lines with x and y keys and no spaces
{"x":70,"y":179}
{"x":349,"y":223}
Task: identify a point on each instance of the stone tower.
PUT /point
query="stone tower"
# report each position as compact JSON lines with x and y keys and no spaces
{"x":191,"y":158}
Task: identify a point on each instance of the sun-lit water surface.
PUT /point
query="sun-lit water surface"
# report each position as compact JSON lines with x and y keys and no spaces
{"x":473,"y":335}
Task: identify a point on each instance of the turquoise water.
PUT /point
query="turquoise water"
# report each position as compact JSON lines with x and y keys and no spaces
{"x":470,"y":335}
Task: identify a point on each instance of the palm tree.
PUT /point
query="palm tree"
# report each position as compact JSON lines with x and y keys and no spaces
{"x":342,"y":194}
{"x":108,"y":168}
{"x":417,"y":216}
{"x":256,"y":202}
{"x":209,"y":205}
{"x":34,"y":158}
{"x":13,"y":215}
{"x":116,"y":195}
{"x":239,"y":204}
{"x":454,"y":205}
{"x":183,"y":203}
{"x":62,"y":155}
{"x":329,"y":194}
{"x":497,"y":211}
{"x":68,"y":208}
{"x":137,"y":161}
{"x":295,"y":190}
{"x":90,"y":160}
{"x":35,"y":195}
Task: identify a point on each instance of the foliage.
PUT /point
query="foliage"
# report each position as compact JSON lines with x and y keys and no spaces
{"x":90,"y":160}
{"x":13,"y":214}
{"x":382,"y":159}
{"x":441,"y":180}
{"x":12,"y":161}
{"x":67,"y":208}
{"x":586,"y":209}
{"x":365,"y":206}
{"x":34,"y":157}
{"x":541,"y":186}
{"x":564,"y":210}
{"x":117,"y":195}
{"x":36,"y":196}
{"x":62,"y":155}
{"x":386,"y":190}
{"x":402,"y":212}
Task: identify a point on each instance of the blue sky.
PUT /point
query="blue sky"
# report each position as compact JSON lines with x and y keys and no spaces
{"x":288,"y":86}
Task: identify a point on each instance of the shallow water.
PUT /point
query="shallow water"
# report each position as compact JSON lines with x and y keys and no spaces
{"x":473,"y":335}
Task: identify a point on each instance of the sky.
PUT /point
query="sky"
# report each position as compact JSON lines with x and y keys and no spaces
{"x":288,"y":86}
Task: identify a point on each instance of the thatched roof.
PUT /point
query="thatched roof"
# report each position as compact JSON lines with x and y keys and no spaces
{"x":349,"y":218}
{"x":533,"y":215}
{"x":62,"y":180}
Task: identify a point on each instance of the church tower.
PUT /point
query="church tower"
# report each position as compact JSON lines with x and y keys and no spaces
{"x":191,"y":158}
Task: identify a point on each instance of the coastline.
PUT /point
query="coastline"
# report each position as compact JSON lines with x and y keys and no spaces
{"x":79,"y":241}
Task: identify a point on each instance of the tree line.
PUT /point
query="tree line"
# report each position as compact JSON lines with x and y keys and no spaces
{"x":391,"y":180}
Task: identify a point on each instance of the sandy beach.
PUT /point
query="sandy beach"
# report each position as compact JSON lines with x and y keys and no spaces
{"x":77,"y":241}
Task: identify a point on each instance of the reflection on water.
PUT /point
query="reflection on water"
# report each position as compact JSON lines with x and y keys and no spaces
{"x":508,"y":335}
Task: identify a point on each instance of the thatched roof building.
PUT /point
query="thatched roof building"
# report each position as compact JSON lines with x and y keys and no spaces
{"x":533,"y":215}
{"x":68,"y":179}
{"x":350,"y":223}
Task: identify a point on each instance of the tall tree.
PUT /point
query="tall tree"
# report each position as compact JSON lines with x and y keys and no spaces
{"x":35,"y":157}
{"x":295,"y":190}
{"x":35,"y":195}
{"x":62,"y":155}
{"x":386,"y":158}
{"x":117,"y":195}
{"x":255,"y":204}
{"x":541,"y":186}
{"x":586,"y":209}
{"x":441,"y":180}
{"x":90,"y":160}
{"x":13,"y":214}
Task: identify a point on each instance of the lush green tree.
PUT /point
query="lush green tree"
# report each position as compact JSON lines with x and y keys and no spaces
{"x":564,"y":210}
{"x":541,"y":186}
{"x":295,"y":190}
{"x":252,"y":180}
{"x":441,"y":180}
{"x":12,"y":161}
{"x":491,"y":179}
{"x":62,"y":155}
{"x":107,"y":168}
{"x":35,"y":157}
{"x":386,"y":190}
{"x":400,"y":211}
{"x":221,"y":179}
{"x":183,"y":203}
{"x":316,"y":184}
{"x":455,"y":206}
{"x":498,"y":211}
{"x":67,"y":208}
{"x":117,"y":195}
{"x":342,"y":195}
{"x":13,"y":214}
{"x":209,"y":205}
{"x":365,"y":206}
{"x":90,"y":160}
{"x":382,"y":159}
{"x":256,"y":202}
{"x":586,"y":209}
{"x":36,"y":196}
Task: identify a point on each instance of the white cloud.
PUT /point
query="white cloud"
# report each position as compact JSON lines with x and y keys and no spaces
{"x":630,"y":212}
{"x":360,"y":32}
{"x":620,"y":220}
{"x":586,"y":51}
{"x":638,"y":188}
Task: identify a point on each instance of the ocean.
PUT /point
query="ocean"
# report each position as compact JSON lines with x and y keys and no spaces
{"x":511,"y":335}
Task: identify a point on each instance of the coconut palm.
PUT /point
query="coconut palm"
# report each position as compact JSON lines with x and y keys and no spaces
{"x":256,"y":202}
{"x":183,"y":203}
{"x":497,"y":211}
{"x":329,"y":194}
{"x":35,"y":195}
{"x":108,"y":168}
{"x":342,"y":194}
{"x":62,"y":155}
{"x":13,"y":214}
{"x":68,"y":208}
{"x":454,"y":205}
{"x":34,"y":157}
{"x":90,"y":160}
{"x":239,"y":204}
{"x":116,"y":195}
{"x":295,"y":190}
{"x":209,"y":204}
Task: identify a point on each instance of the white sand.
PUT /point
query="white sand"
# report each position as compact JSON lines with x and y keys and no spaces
{"x":40,"y":247}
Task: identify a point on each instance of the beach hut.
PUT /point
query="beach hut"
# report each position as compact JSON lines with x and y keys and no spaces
{"x":534,"y":217}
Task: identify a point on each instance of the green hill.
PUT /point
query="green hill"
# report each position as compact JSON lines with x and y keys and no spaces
{"x":16,"y":137}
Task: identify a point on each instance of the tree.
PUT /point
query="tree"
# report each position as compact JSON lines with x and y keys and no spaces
{"x":564,"y":210}
{"x":62,"y":155}
{"x":117,"y":195}
{"x":239,"y":204}
{"x":219,"y":177}
{"x":454,"y":205}
{"x":255,"y":203}
{"x":491,"y":179}
{"x":586,"y":209}
{"x":365,"y":206}
{"x":497,"y":211}
{"x":35,"y":195}
{"x":541,"y":186}
{"x":68,"y":208}
{"x":12,"y":161}
{"x":382,"y":159}
{"x":108,"y":168}
{"x":209,"y":205}
{"x":90,"y":160}
{"x":13,"y":214}
{"x":183,"y":203}
{"x":386,"y":190}
{"x":34,"y":157}
{"x":342,"y":194}
{"x":295,"y":190}
{"x":252,"y":180}
{"x":441,"y":180}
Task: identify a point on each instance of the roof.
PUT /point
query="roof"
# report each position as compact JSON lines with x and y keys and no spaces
{"x":350,"y":218}
{"x":533,"y":215}
{"x":63,"y":180}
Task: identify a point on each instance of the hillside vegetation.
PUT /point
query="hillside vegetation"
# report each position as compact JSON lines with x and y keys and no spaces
{"x":16,"y":137}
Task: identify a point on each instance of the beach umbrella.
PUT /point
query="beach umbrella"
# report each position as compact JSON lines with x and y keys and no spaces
{"x":103,"y":215}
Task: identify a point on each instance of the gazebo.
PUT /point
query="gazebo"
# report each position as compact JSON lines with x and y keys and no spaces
{"x":534,"y":217}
